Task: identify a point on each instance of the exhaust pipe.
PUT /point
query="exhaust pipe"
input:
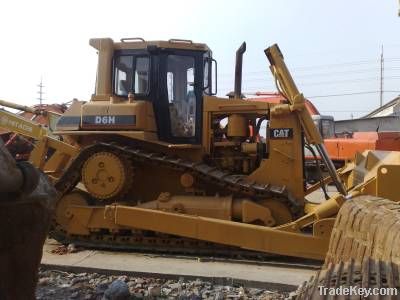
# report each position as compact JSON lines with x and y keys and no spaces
{"x":238,"y":70}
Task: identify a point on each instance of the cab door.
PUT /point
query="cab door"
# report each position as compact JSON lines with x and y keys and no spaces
{"x":179,"y":104}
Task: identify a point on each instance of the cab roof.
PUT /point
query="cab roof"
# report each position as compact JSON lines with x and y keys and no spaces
{"x":140,"y":43}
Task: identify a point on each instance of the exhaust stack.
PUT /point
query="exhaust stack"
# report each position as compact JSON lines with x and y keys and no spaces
{"x":238,"y":70}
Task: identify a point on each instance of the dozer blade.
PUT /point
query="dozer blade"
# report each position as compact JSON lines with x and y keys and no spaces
{"x":366,"y":227}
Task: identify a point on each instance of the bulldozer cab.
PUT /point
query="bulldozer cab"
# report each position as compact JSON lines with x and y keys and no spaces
{"x":151,"y":89}
{"x":173,"y":79}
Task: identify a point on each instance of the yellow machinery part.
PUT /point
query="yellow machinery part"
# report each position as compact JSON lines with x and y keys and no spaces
{"x":86,"y":219}
{"x":106,"y":175}
{"x":364,"y":249}
{"x":371,"y":275}
{"x":224,"y":208}
{"x":279,"y":211}
{"x":366,"y":227}
{"x":237,"y":126}
{"x":74,"y":198}
{"x":20,"y":125}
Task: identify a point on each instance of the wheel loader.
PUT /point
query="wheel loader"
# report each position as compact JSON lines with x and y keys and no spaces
{"x":155,"y":160}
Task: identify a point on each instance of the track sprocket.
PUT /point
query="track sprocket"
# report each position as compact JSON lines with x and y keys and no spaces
{"x":107,"y":176}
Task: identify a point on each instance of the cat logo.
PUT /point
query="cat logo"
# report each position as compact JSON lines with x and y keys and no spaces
{"x":281,"y":133}
{"x":104,"y":120}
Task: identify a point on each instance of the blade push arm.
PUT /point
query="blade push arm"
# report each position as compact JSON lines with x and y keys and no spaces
{"x":290,"y":91}
{"x":296,"y":100}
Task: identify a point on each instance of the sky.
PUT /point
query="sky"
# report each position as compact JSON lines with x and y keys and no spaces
{"x":331,"y":47}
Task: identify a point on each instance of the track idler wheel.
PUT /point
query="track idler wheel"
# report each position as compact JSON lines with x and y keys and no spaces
{"x":107,"y":176}
{"x":73,"y":198}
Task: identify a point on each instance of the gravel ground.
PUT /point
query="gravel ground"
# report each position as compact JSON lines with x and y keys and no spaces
{"x":54,"y":285}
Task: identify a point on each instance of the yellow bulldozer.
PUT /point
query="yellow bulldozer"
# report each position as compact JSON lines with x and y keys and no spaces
{"x":155,"y":160}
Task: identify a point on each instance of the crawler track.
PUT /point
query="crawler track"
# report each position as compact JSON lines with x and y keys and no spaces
{"x":161,"y":243}
{"x":237,"y":184}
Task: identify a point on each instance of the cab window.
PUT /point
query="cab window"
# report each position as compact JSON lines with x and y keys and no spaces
{"x":328,"y":128}
{"x":131,"y":75}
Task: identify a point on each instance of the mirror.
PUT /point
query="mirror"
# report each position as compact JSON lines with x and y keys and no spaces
{"x":214,"y":71}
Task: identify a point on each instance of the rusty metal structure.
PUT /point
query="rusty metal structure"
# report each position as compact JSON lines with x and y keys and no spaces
{"x":156,"y":161}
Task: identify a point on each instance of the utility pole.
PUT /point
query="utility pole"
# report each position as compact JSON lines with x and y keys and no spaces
{"x":381,"y":79}
{"x":40,"y":92}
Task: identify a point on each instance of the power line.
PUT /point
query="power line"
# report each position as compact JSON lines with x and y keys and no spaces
{"x":331,"y":82}
{"x":318,"y":75}
{"x":353,"y":80}
{"x":336,"y":51}
{"x":337,"y":73}
{"x":350,"y":63}
{"x":344,"y":64}
{"x":354,"y":63}
{"x":345,"y":72}
{"x":339,"y":111}
{"x":341,"y":94}
{"x":329,"y":73}
{"x":350,"y":94}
